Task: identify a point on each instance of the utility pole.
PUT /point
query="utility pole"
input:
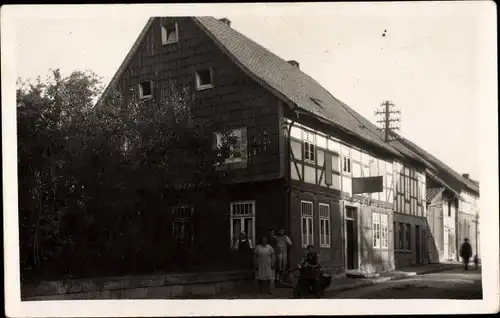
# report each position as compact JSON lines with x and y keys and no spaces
{"x":390,"y":119}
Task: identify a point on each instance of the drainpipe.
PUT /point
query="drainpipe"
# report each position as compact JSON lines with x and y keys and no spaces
{"x":289,"y":171}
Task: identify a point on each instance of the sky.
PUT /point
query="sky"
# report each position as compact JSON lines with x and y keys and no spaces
{"x":426,"y":64}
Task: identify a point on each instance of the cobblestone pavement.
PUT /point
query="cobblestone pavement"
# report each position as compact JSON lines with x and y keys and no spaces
{"x":451,"y":284}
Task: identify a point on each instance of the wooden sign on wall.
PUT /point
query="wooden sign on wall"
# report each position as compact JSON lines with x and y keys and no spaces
{"x":367,"y":185}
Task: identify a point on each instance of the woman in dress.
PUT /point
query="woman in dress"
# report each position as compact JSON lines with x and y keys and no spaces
{"x":264,"y":265}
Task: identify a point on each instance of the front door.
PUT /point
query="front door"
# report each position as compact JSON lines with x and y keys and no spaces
{"x":351,"y":239}
{"x":418,"y":245}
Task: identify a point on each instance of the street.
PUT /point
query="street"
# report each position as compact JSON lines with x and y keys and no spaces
{"x":451,"y":284}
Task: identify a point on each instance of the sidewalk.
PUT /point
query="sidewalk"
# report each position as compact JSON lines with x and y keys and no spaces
{"x":343,"y":283}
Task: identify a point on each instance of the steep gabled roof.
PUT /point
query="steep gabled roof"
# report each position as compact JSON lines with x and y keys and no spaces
{"x":288,"y":82}
{"x":295,"y":86}
{"x":445,"y":173}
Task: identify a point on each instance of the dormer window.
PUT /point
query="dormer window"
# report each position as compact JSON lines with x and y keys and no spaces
{"x":146,"y":90}
{"x":204,"y":79}
{"x":169,"y":34}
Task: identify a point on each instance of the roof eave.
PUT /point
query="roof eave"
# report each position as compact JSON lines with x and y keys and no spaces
{"x":327,"y":122}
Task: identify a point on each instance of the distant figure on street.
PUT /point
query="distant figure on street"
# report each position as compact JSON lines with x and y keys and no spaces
{"x":466,"y":253}
{"x":476,"y":261}
{"x":264,"y":265}
{"x":283,"y":242}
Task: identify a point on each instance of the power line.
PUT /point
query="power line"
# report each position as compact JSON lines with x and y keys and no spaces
{"x":391,"y":118}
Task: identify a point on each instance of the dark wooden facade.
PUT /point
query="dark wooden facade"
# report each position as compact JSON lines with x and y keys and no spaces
{"x":235,"y":101}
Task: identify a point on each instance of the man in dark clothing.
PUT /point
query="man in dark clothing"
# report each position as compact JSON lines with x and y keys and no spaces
{"x":466,"y":253}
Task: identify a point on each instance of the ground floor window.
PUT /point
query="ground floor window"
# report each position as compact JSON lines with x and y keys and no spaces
{"x":182,"y":225}
{"x":408,"y":237}
{"x":324,"y":225}
{"x":401,"y":236}
{"x":306,"y":212}
{"x":376,"y":229}
{"x":394,"y":235}
{"x":380,"y":228}
{"x":242,"y":219}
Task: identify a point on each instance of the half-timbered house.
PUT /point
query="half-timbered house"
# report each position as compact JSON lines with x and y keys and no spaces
{"x":299,"y":150}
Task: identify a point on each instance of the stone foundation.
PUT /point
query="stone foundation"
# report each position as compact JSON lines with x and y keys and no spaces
{"x":193,"y":285}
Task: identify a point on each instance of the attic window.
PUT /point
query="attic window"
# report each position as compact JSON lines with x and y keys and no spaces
{"x":169,"y":34}
{"x":316,"y":101}
{"x":204,"y":79}
{"x":146,"y":90}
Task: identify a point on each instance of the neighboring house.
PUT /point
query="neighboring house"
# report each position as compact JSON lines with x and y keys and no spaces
{"x":298,"y":149}
{"x":442,"y":207}
{"x":459,"y":195}
{"x":468,"y":215}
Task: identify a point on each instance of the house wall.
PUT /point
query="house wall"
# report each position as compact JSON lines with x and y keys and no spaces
{"x":435,"y":232}
{"x":468,"y":220}
{"x":449,"y":222}
{"x":412,"y":254}
{"x":347,"y":161}
{"x":214,"y":219}
{"x":332,"y":256}
{"x":235,"y":100}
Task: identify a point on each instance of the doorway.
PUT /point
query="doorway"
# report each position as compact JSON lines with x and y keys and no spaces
{"x":351,"y":239}
{"x":418,"y":245}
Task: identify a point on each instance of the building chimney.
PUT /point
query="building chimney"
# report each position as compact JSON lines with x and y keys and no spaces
{"x":466,"y":175}
{"x":294,"y":63}
{"x":225,"y":21}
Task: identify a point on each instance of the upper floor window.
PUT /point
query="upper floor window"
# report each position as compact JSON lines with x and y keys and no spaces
{"x":204,"y":79}
{"x":309,"y":146}
{"x":146,"y":90}
{"x":234,"y":142}
{"x":347,"y":165}
{"x":169,"y":34}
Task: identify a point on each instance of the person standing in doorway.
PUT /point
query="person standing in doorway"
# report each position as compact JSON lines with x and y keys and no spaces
{"x":264,"y":265}
{"x":283,"y":243}
{"x":244,"y":243}
{"x":466,"y":253}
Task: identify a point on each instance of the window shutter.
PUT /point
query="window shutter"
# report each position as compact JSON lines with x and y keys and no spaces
{"x":328,"y":168}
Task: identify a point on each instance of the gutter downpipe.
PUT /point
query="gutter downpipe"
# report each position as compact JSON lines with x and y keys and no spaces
{"x":289,"y":171}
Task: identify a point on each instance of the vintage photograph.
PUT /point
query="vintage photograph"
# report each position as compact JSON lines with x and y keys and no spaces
{"x":272,"y":156}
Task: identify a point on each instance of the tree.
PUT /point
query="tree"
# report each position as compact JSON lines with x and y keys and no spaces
{"x":95,"y":182}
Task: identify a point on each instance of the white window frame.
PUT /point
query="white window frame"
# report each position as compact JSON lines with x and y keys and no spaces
{"x":238,"y":133}
{"x":309,"y":146}
{"x":376,"y":233}
{"x":199,"y":85}
{"x":384,"y":228}
{"x":308,"y":237}
{"x":324,"y":236}
{"x":164,"y":34}
{"x":141,"y":90}
{"x":242,"y":218}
